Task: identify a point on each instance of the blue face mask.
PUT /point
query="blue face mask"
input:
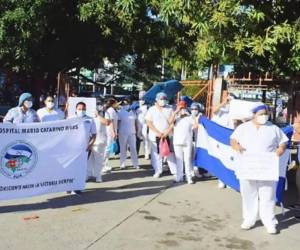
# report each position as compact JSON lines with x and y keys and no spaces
{"x":81,"y":113}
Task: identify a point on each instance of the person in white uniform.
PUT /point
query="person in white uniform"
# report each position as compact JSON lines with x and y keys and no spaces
{"x":127,"y":134}
{"x":159,"y":120}
{"x":96,"y":157}
{"x":258,"y":197}
{"x":143,"y":128}
{"x":112,"y":130}
{"x":90,"y":128}
{"x":183,"y":142}
{"x":49,"y":112}
{"x":24,"y":112}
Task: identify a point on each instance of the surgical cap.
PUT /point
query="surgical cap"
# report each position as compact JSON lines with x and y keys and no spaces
{"x":23,"y":98}
{"x":160,"y":95}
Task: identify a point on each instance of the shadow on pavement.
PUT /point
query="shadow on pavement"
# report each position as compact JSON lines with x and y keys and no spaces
{"x":94,"y":195}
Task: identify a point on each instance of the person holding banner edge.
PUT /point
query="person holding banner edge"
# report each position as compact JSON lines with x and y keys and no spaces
{"x":23,"y":113}
{"x":91,"y":129}
{"x":259,"y":196}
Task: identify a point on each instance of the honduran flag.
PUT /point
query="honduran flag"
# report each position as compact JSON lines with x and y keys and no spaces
{"x":214,"y":153}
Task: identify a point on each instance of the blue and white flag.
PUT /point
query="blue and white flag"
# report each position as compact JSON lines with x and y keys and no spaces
{"x":214,"y":153}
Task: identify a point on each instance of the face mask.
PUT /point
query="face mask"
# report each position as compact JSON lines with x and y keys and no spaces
{"x":28,"y":104}
{"x":80,"y":113}
{"x":126,"y":107}
{"x":142,"y":102}
{"x":161,"y":103}
{"x":194,"y":112}
{"x":262,"y":119}
{"x":50,"y":105}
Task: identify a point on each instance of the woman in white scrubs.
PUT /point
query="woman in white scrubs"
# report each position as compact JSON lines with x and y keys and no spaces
{"x":258,"y":197}
{"x":183,"y":142}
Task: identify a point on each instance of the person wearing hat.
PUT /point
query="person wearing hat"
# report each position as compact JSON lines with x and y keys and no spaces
{"x":24,"y":112}
{"x":127,"y":134}
{"x":183,"y":142}
{"x":258,"y":197}
{"x":49,"y":112}
{"x":159,"y":119}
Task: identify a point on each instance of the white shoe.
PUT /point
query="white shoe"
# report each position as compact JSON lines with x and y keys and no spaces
{"x":137,"y":167}
{"x":246,"y":225}
{"x":99,"y":180}
{"x":272,"y":230}
{"x":122,"y":167}
{"x":190,"y":181}
{"x":106,"y":169}
{"x":156,"y":175}
{"x":221,"y":185}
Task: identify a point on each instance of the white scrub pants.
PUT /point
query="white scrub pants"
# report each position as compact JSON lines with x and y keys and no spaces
{"x":156,"y":160}
{"x":146,"y":141}
{"x":109,"y":141}
{"x":128,"y":140}
{"x":183,"y":155}
{"x":96,"y":161}
{"x":258,"y":197}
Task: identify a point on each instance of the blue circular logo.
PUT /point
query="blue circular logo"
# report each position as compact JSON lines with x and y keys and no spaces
{"x":18,"y":159}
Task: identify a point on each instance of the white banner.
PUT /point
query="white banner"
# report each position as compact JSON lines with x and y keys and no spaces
{"x":258,"y":166}
{"x":241,"y":109}
{"x":40,"y":158}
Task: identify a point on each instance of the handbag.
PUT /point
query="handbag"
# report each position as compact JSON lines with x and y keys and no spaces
{"x":113,"y":147}
{"x":164,"y":149}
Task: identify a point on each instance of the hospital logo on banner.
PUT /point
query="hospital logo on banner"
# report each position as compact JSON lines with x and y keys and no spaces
{"x":18,"y":159}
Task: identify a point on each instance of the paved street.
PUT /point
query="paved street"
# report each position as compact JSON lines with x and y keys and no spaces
{"x":131,"y":210}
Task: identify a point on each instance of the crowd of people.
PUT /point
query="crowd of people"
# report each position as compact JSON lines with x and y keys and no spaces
{"x":169,"y":134}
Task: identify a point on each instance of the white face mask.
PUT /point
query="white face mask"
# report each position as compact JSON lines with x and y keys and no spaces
{"x":50,"y":105}
{"x":161,"y":103}
{"x":80,"y":113}
{"x":262,"y":119}
{"x":194,"y":112}
{"x":142,"y":102}
{"x":28,"y":104}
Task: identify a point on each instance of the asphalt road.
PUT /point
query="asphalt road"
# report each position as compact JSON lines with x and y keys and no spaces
{"x":133,"y":211}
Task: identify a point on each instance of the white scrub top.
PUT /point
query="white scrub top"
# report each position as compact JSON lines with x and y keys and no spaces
{"x":16,"y":116}
{"x":54,"y":115}
{"x":141,"y":118}
{"x":113,"y":116}
{"x":183,"y":131}
{"x":159,"y":119}
{"x":127,"y":122}
{"x":101,"y":134}
{"x":266,"y":138}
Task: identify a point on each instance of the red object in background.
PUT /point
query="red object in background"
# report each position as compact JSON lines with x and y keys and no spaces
{"x":12,"y":163}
